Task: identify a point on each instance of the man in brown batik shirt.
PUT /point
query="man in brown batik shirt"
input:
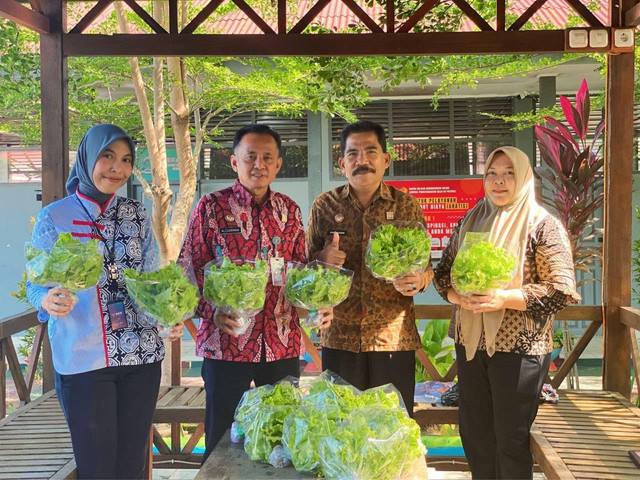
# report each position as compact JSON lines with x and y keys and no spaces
{"x":373,"y":337}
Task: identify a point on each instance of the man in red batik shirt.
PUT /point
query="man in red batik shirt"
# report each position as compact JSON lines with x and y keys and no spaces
{"x":247,"y":220}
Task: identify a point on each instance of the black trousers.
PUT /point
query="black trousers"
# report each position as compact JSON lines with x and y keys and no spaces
{"x":371,"y":369}
{"x":225,"y":382}
{"x":499,"y":398}
{"x":109,"y":412}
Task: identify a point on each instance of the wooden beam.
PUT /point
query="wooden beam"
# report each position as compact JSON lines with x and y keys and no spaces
{"x":308,"y":17}
{"x":201,"y":16}
{"x":173,"y":16}
{"x":3,"y":381}
{"x":362,"y":15}
{"x":24,"y":16}
{"x":16,"y":372}
{"x":426,"y":363}
{"x":36,"y":5}
{"x":546,"y":456}
{"x":630,"y":317}
{"x":254,"y":17}
{"x":635,"y":356}
{"x":417,"y":16}
{"x":632,"y":16}
{"x":391,"y":16}
{"x":618,"y":167}
{"x":55,"y":130}
{"x":144,"y":15}
{"x":585,"y":13}
{"x":529,"y":12}
{"x":500,"y":14}
{"x":91,"y":15}
{"x":474,"y":16}
{"x":282,"y":17}
{"x":570,"y":361}
{"x":35,"y":355}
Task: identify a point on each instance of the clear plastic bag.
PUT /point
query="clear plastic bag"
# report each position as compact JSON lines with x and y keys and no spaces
{"x":261,"y":414}
{"x":166,"y":296}
{"x":397,"y":249}
{"x":71,"y":263}
{"x":236,"y":286}
{"x":302,"y":430}
{"x":480,"y":266}
{"x":317,"y":285}
{"x":373,"y":443}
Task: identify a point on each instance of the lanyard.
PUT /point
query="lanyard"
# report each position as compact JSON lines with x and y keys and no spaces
{"x":111,"y":252}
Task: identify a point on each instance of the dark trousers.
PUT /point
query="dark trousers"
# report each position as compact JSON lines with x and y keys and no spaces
{"x":109,"y":412}
{"x":499,"y":398}
{"x":371,"y":369}
{"x":225,"y":382}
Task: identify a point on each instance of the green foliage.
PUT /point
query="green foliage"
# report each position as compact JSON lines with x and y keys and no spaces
{"x":433,"y":338}
{"x":71,"y":263}
{"x":315,"y":286}
{"x":25,"y":347}
{"x":236,"y":286}
{"x":396,"y":251}
{"x":558,"y":338}
{"x":572,"y":169}
{"x":166,"y":294}
{"x":481,"y":267}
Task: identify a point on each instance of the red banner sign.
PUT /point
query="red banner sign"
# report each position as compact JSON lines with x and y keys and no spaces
{"x":444,"y":203}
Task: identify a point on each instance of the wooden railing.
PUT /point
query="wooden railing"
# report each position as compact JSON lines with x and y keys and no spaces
{"x":631,"y":318}
{"x":9,"y":358}
{"x":24,"y":383}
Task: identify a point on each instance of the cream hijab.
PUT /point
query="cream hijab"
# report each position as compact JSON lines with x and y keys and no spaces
{"x":508,"y":226}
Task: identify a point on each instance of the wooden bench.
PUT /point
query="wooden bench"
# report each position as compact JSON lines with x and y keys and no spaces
{"x":177,"y":405}
{"x":35,"y":442}
{"x":587,"y":436}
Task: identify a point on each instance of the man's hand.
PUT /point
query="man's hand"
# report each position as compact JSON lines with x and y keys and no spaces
{"x":332,"y":253}
{"x":175,"y":332}
{"x":410,"y":284}
{"x":58,"y":302}
{"x":227,"y":322}
{"x":326,"y":317}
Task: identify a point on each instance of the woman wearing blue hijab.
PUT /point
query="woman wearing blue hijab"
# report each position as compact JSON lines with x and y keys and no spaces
{"x":106,"y":354}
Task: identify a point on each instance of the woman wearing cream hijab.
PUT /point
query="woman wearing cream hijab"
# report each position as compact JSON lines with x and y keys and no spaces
{"x":504,"y":338}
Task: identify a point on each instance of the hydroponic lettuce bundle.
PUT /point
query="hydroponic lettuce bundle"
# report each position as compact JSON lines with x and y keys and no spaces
{"x":261,"y":414}
{"x":166,"y":295}
{"x":480,"y":266}
{"x":71,"y":263}
{"x":398,"y":249}
{"x":236,"y":286}
{"x":317,"y":285}
{"x":304,"y":429}
{"x":373,"y":442}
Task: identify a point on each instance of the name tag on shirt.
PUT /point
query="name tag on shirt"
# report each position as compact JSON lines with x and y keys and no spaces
{"x":227,"y":230}
{"x":339,"y":232}
{"x":117,"y":315}
{"x":277,"y":271}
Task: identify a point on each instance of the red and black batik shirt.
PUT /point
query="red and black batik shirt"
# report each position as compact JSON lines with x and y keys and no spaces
{"x":232,"y":220}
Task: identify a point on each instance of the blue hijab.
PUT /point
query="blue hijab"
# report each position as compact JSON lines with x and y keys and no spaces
{"x":92,"y":145}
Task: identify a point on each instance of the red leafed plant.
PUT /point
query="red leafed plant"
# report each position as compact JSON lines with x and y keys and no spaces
{"x":572,"y":163}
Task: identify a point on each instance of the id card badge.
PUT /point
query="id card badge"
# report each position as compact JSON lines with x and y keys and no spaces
{"x":117,"y":315}
{"x":277,"y":271}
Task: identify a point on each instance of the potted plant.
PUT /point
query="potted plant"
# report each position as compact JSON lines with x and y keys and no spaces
{"x":558,"y":343}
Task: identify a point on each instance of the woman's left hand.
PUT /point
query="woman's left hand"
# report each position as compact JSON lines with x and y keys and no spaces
{"x":410,"y":284}
{"x":326,"y":318}
{"x":175,"y":332}
{"x":490,"y":302}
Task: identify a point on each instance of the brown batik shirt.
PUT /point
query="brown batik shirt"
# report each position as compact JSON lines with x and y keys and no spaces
{"x":548,"y":285}
{"x":375,"y":316}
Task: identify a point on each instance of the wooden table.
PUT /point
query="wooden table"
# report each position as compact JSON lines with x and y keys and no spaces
{"x":587,"y":436}
{"x":228,"y":461}
{"x":35,"y":442}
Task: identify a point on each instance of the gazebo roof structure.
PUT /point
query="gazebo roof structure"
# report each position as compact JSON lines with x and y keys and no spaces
{"x":288,"y":34}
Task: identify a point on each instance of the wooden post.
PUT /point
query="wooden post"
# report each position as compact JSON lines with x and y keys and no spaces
{"x":55,"y":130}
{"x":618,"y":212}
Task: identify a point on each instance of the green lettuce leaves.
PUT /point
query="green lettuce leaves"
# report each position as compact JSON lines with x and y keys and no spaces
{"x":239,"y":287}
{"x":315,"y":286}
{"x":481,"y":267}
{"x":394,"y":252}
{"x":166,"y":294}
{"x":72,"y":264}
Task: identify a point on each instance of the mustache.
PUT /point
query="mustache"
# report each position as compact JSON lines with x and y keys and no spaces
{"x":363,"y":169}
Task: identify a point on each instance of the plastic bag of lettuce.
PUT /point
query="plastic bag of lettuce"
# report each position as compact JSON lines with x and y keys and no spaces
{"x":398,"y":249}
{"x":261,"y":414}
{"x":372,"y":443}
{"x":166,"y":295}
{"x":236,"y":286}
{"x":316,"y":285}
{"x":71,"y":263}
{"x":480,"y":266}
